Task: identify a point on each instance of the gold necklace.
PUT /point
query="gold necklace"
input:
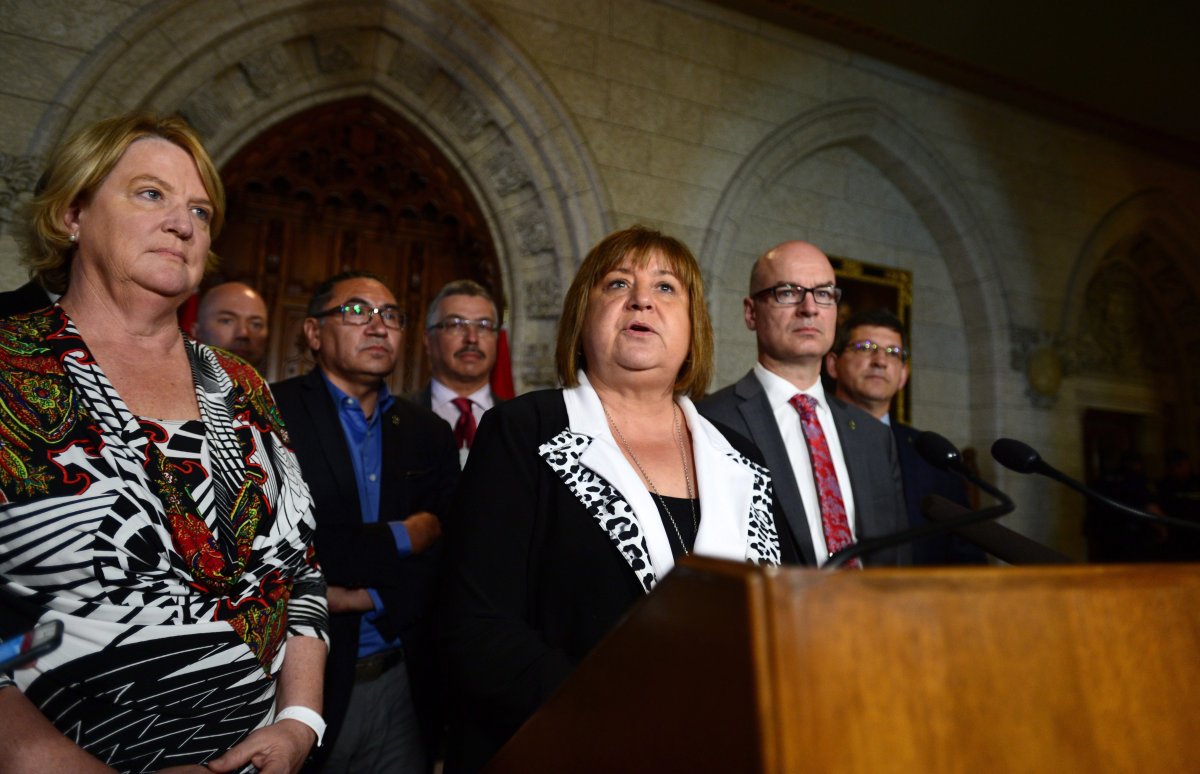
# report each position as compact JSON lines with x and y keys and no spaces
{"x":686,"y":475}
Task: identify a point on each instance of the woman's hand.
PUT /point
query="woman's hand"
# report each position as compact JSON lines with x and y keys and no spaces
{"x":279,"y":748}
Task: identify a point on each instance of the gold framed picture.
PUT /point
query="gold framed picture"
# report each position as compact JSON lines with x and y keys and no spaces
{"x":869,"y":286}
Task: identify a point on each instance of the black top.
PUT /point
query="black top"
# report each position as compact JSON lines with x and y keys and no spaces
{"x":680,"y":517}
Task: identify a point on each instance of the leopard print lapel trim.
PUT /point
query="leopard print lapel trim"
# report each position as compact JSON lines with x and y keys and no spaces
{"x":603,"y":502}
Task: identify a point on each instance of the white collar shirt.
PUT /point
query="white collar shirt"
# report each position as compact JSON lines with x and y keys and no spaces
{"x":779,"y":394}
{"x":441,"y":400}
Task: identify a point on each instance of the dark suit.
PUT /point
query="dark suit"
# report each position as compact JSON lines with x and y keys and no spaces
{"x":868,"y":449}
{"x":420,"y":467}
{"x":28,"y":298}
{"x":922,"y":479}
{"x":422,"y":397}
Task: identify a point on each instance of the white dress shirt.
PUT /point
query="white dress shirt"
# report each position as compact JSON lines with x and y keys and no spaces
{"x":441,"y":398}
{"x":779,"y":392}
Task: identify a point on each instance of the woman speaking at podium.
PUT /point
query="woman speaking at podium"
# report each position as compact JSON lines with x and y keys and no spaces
{"x":577,"y":501}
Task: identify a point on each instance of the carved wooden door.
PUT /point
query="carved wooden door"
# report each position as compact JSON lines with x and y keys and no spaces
{"x":349,"y":185}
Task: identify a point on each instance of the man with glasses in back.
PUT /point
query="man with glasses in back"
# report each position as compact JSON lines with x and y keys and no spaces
{"x":869,"y":362}
{"x":461,"y":330}
{"x":381,"y":472}
{"x":835,"y":470}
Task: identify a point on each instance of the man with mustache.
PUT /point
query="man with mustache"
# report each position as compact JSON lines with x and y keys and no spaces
{"x":835,"y":468}
{"x":461,"y":330}
{"x":381,"y":472}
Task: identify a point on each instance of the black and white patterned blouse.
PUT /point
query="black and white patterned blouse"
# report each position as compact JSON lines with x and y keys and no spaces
{"x":179,"y":576}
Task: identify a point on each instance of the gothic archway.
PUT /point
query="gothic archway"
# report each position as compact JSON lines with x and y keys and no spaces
{"x":350,"y":185}
{"x":234,"y":70}
{"x":1132,"y":315}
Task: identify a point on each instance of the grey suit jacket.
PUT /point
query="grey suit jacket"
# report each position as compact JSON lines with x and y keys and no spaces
{"x":870,"y":455}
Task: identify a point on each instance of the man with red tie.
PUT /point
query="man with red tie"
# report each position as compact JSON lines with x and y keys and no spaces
{"x":835,"y":468}
{"x":461,"y":331}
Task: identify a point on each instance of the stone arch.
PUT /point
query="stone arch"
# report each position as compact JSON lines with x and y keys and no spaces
{"x":931,"y":188}
{"x":1132,"y":308}
{"x":1146,"y":215}
{"x":234,"y":69}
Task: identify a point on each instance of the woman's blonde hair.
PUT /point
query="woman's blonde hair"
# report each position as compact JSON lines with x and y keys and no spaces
{"x":639,"y":244}
{"x":79,"y":167}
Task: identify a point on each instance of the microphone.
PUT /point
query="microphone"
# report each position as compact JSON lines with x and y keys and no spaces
{"x":942,"y":454}
{"x":1022,"y":458}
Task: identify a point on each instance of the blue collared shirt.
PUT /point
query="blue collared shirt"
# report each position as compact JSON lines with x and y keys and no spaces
{"x":364,"y":438}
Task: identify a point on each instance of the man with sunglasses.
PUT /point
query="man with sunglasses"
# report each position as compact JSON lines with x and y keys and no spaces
{"x":381,"y":472}
{"x":835,"y":471}
{"x":461,"y":332}
{"x":869,"y":362}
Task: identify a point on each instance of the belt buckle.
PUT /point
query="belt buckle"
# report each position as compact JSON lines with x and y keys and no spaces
{"x":373,"y":666}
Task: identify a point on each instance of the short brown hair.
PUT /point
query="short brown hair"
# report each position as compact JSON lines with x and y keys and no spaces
{"x":79,"y":167}
{"x":639,"y":244}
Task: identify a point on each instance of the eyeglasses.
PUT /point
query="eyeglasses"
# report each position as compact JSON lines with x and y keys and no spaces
{"x":787,"y":294}
{"x":460,"y":325}
{"x":355,"y":312}
{"x":867,"y":347}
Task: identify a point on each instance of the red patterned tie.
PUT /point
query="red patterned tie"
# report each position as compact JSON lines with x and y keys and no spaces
{"x":464,"y":429}
{"x":833,"y":510}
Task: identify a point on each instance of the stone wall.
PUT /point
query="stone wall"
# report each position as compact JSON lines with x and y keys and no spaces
{"x":572,"y":117}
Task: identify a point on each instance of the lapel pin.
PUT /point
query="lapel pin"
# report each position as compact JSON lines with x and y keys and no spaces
{"x":853,"y":425}
{"x":395,"y":420}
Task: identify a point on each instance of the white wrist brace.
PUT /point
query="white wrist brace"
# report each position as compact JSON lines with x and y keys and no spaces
{"x":308,"y":717}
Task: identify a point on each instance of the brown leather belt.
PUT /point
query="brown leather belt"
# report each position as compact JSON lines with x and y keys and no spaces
{"x":371,"y":667}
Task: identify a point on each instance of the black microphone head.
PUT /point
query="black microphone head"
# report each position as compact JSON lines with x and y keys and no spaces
{"x":1015,"y":455}
{"x":937,"y":451}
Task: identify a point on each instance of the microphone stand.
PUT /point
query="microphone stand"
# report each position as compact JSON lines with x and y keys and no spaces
{"x":838,"y":558}
{"x":1020,"y":457}
{"x":941,"y":454}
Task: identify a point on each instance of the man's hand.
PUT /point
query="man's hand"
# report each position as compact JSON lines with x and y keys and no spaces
{"x":277,"y":749}
{"x":345,"y":600}
{"x":423,"y":530}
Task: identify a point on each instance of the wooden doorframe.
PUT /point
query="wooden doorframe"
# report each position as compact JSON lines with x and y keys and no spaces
{"x":350,"y":184}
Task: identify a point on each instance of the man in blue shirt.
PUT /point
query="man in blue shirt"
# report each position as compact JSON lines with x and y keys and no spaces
{"x":381,"y":471}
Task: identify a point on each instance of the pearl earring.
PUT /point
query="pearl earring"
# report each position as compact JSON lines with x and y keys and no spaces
{"x":74,"y":237}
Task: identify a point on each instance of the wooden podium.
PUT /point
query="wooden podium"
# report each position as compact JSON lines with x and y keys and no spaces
{"x":732,"y":668}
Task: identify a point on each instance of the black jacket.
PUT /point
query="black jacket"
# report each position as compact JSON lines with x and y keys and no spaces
{"x":420,"y":466}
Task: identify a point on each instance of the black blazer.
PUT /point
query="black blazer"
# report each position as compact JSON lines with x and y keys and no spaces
{"x":422,"y":397}
{"x":868,"y":450}
{"x":533,"y":582}
{"x":420,"y":465}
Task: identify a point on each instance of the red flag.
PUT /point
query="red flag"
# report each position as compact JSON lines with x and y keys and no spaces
{"x":188,"y":313}
{"x":502,"y":380}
